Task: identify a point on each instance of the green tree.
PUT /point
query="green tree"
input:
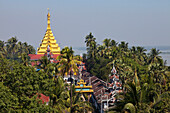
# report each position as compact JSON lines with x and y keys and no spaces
{"x":154,"y":56}
{"x":91,"y":51}
{"x":91,"y":45}
{"x":22,"y":83}
{"x":68,"y":64}
{"x":107,"y":43}
{"x":13,"y":50}
{"x":8,"y":102}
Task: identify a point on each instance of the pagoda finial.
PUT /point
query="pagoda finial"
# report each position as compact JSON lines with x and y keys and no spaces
{"x":48,"y":19}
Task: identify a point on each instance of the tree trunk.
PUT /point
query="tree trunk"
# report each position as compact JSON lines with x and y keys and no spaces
{"x":70,"y":94}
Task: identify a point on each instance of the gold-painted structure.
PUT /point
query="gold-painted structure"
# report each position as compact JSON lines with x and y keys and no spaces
{"x":83,"y":88}
{"x":48,"y":40}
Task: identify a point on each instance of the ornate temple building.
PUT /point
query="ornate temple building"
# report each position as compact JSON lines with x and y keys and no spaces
{"x":100,"y":93}
{"x":48,"y":45}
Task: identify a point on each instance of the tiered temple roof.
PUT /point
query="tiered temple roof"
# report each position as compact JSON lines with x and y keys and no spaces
{"x":48,"y":41}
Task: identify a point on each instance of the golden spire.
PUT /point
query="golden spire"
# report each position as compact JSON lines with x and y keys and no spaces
{"x":48,"y":20}
{"x":48,"y":40}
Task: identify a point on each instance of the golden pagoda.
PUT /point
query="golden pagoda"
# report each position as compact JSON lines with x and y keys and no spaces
{"x":48,"y":40}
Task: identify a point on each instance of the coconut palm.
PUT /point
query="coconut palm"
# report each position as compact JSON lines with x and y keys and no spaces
{"x":101,"y":50}
{"x":13,"y":50}
{"x":11,"y":46}
{"x":113,"y":43}
{"x":43,"y":62}
{"x":143,"y":97}
{"x":141,"y":55}
{"x":3,"y":50}
{"x":78,"y":103}
{"x":25,"y":59}
{"x":57,"y":94}
{"x":106,"y":42}
{"x":154,"y":56}
{"x":67,"y":64}
{"x":157,"y":72}
{"x":91,"y":45}
{"x":133,"y":52}
{"x":49,"y":68}
{"x":124,"y":46}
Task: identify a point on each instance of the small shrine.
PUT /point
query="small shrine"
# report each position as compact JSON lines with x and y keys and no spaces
{"x":82,"y":88}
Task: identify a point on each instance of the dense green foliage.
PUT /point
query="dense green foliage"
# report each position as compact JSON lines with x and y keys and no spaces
{"x":145,"y":77}
{"x":21,"y":84}
{"x":14,"y":50}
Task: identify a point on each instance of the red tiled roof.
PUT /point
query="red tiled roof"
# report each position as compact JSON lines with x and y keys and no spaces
{"x":43,"y":98}
{"x":56,"y":55}
{"x":97,"y":89}
{"x":99,"y":85}
{"x":96,"y":84}
{"x":38,"y":56}
{"x":35,"y":56}
{"x":30,"y":55}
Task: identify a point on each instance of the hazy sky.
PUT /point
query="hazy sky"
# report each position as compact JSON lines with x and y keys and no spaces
{"x":138,"y":22}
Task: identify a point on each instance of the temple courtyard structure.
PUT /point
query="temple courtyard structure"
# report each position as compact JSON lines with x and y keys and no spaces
{"x":100,"y":93}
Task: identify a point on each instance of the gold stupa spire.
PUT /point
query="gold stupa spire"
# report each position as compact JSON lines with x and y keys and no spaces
{"x":48,"y":19}
{"x":48,"y":40}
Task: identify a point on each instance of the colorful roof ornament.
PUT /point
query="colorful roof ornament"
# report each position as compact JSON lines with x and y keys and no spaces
{"x":83,"y":88}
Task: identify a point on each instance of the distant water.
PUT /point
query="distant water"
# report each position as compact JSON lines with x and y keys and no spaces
{"x":79,"y":50}
{"x":165,"y":51}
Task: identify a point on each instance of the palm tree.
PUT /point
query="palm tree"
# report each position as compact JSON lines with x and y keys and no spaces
{"x":89,"y":38}
{"x":59,"y":94}
{"x":107,"y":49}
{"x":141,"y":54}
{"x":13,"y":50}
{"x":11,"y":46}
{"x":49,"y":68}
{"x":60,"y":98}
{"x":124,"y":46}
{"x":157,"y":72}
{"x":113,"y":43}
{"x":100,"y":51}
{"x":43,"y":62}
{"x":133,"y":52}
{"x":24,"y":59}
{"x":3,"y":50}
{"x":91,"y":44}
{"x":154,"y":56}
{"x":106,"y":42}
{"x":67,"y":64}
{"x":143,"y":97}
{"x":78,"y":103}
{"x":138,"y":54}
